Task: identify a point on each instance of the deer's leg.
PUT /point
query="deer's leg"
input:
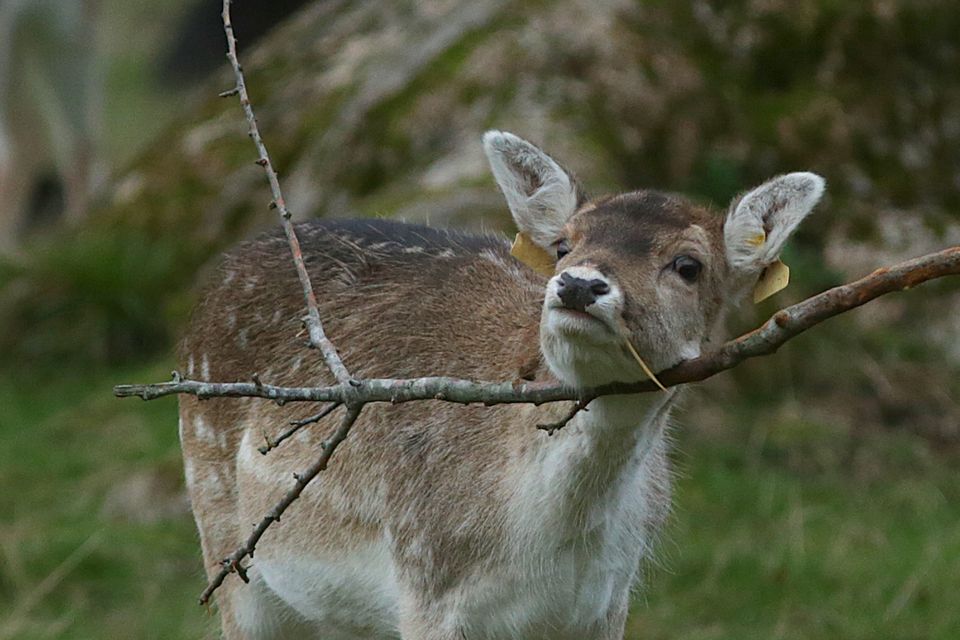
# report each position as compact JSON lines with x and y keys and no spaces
{"x":247,"y":611}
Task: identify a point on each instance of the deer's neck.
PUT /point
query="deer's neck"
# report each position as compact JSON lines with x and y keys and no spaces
{"x":597,"y":471}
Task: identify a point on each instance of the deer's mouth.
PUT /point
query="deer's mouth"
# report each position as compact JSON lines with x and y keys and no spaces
{"x":575,"y":313}
{"x":577,"y":322}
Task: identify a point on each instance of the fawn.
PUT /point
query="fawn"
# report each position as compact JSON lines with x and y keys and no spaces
{"x":439,"y":521}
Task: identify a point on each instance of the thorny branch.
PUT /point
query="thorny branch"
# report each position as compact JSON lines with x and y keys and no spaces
{"x":553,"y":427}
{"x":295,"y":426}
{"x":355,"y":394}
{"x":234,"y":562}
{"x":318,"y":339}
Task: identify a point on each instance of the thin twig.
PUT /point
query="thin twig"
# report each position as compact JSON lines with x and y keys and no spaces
{"x":781,"y":327}
{"x":552,"y":427}
{"x":233,"y":563}
{"x":273,"y":443}
{"x":318,"y":339}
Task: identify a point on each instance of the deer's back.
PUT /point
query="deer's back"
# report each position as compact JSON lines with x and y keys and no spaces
{"x":396,"y":299}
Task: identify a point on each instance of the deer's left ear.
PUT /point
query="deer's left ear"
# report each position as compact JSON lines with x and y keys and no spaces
{"x":760,"y":222}
{"x":540,"y":193}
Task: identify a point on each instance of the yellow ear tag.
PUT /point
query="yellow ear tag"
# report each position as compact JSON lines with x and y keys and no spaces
{"x":758,"y":239}
{"x":774,"y":278}
{"x":532,"y":255}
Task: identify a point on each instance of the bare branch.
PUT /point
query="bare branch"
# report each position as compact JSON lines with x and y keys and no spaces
{"x":766,"y":339}
{"x":318,"y":339}
{"x":233,"y":564}
{"x":273,"y":443}
{"x":552,"y":427}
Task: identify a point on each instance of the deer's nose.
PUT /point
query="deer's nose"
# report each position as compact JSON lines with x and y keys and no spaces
{"x":579,"y":293}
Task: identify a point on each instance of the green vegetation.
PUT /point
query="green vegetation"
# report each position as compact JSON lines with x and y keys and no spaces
{"x":101,"y":294}
{"x":95,"y":540}
{"x":783,"y":531}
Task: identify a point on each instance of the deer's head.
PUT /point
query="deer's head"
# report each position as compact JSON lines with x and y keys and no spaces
{"x":651,"y":268}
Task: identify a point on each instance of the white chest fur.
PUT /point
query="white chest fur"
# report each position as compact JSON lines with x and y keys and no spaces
{"x":578,"y":529}
{"x":350,"y":596}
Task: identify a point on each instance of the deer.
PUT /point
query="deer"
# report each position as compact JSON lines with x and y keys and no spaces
{"x":439,"y":521}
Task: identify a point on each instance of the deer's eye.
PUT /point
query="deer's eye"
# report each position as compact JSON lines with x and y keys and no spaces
{"x":688,"y":268}
{"x":563,"y":248}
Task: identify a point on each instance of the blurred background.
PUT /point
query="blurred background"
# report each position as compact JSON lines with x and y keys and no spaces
{"x":818,"y":493}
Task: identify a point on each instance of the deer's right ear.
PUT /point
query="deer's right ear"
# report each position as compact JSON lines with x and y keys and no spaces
{"x":760,"y":222}
{"x":540,"y":194}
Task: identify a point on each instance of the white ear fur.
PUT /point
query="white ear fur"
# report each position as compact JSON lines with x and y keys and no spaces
{"x":540,"y":194}
{"x":760,"y":223}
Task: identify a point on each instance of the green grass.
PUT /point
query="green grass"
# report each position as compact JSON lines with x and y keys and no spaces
{"x":860,"y":541}
{"x":81,"y":556}
{"x":795,"y":529}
